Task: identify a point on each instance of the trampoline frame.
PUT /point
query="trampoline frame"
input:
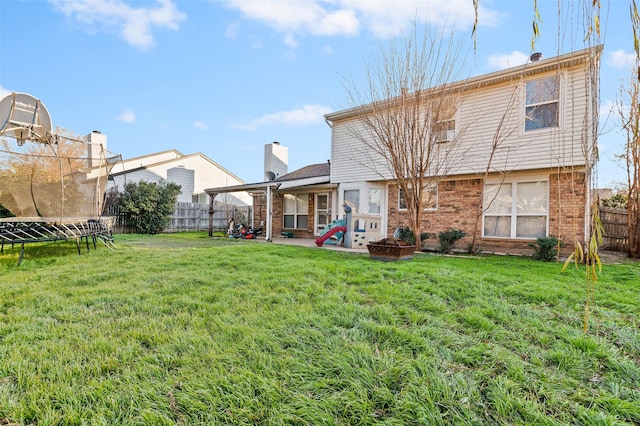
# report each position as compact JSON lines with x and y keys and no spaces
{"x":39,"y":230}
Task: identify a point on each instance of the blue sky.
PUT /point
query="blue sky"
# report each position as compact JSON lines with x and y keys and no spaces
{"x":227,"y":77}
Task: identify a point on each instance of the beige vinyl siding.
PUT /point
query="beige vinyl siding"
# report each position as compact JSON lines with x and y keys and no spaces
{"x":183,"y":177}
{"x":477,"y":121}
{"x":351,"y":160}
{"x":145,"y":160}
{"x":481,"y":113}
{"x":136,"y":176}
{"x":206,"y":174}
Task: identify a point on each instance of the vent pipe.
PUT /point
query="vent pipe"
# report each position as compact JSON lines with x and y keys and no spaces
{"x":535,"y":56}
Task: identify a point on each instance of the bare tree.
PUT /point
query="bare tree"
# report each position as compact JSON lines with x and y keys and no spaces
{"x":405,"y":115}
{"x":502,"y":133}
{"x":630,"y":117}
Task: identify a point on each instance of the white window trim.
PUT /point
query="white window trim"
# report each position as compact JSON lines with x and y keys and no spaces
{"x":296,"y":214}
{"x":360,"y":190}
{"x":450,"y":134}
{"x":372,"y":188}
{"x":561,"y":104}
{"x":524,"y":179}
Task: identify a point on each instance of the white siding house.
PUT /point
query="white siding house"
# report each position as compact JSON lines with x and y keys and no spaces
{"x":483,"y":101}
{"x":536,"y":184}
{"x":193,"y":172}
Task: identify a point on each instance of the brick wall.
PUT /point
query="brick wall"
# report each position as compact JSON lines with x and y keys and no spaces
{"x":460,"y":202}
{"x":260,"y":208}
{"x":567,"y":199}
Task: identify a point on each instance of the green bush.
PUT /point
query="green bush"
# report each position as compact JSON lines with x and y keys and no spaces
{"x":406,"y":234}
{"x":620,"y":201}
{"x":545,"y":249}
{"x":148,"y":206}
{"x":4,"y":212}
{"x":447,"y":239}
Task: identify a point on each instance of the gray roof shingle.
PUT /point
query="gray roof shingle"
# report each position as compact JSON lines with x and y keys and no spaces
{"x":310,"y":171}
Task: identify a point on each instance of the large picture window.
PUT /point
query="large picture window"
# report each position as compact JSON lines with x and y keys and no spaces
{"x":296,"y":211}
{"x":430,"y":198}
{"x":541,"y":103}
{"x":515,"y":210}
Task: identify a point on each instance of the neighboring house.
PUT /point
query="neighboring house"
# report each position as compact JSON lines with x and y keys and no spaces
{"x":537,"y":183}
{"x":192,"y":172}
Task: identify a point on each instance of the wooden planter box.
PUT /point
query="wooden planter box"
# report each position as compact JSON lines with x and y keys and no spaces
{"x":390,"y":250}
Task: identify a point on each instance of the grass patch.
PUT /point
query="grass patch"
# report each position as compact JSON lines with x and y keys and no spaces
{"x":185,"y":329}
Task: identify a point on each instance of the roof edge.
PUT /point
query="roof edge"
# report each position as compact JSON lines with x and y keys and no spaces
{"x":530,"y":68}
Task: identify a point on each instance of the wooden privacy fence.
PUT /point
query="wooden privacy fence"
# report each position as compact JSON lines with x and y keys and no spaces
{"x":188,"y":217}
{"x":616,"y":232}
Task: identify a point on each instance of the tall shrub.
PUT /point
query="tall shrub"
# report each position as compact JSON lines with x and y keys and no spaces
{"x":4,"y":212}
{"x":148,"y":206}
{"x":546,"y":248}
{"x":447,"y":239}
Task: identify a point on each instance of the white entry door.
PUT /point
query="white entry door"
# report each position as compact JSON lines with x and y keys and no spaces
{"x":323,"y":212}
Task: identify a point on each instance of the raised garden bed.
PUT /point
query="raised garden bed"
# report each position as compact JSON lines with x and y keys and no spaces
{"x":390,"y":250}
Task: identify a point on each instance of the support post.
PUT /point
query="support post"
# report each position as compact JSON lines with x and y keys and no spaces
{"x":347,"y":222}
{"x":211,"y":198}
{"x":268,"y":225}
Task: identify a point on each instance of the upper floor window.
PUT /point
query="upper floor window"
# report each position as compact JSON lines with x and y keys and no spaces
{"x":541,"y":103}
{"x":430,"y":197}
{"x":445,"y":131}
{"x":296,"y":211}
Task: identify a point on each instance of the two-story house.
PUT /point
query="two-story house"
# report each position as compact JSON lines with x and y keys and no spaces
{"x":522,"y":159}
{"x":521,"y":145}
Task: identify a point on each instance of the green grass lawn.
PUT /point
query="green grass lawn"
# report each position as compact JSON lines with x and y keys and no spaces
{"x":184,"y":329}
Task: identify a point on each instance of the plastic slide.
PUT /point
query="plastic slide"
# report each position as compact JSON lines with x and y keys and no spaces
{"x":324,"y":237}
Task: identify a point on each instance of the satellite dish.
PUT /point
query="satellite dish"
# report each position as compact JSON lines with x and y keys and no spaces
{"x":270,"y":176}
{"x":24,"y":117}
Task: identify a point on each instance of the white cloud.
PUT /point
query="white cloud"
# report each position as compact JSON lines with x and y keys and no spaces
{"x":388,"y":17}
{"x":290,"y":41}
{"x":231,"y":32}
{"x":308,"y":114}
{"x":134,"y":24}
{"x":308,"y":16}
{"x":4,"y":92}
{"x":128,"y":116}
{"x":327,"y":50}
{"x":200,"y":125}
{"x":349,"y":17}
{"x":620,"y":59}
{"x":500,"y":61}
